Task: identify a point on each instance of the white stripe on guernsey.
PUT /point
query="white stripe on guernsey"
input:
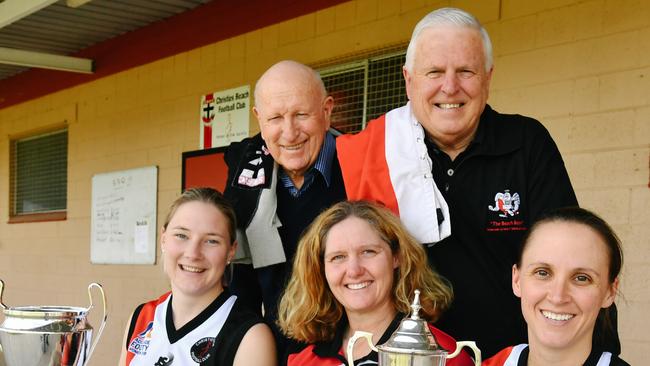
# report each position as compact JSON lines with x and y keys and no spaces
{"x":368,"y":362}
{"x":410,"y":174}
{"x":513,"y":359}
{"x":605,"y":359}
{"x":264,"y":242}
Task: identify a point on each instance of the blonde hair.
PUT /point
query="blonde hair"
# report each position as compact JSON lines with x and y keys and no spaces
{"x":309,"y":312}
{"x":215,"y":198}
{"x":210,"y":196}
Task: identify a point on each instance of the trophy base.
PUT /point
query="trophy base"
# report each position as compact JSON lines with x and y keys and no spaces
{"x":45,"y":349}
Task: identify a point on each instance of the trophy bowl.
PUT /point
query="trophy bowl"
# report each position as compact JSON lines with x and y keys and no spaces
{"x":48,"y":335}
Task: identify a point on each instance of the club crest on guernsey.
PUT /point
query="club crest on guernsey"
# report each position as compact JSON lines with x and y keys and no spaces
{"x":506,"y":204}
{"x":252,"y":175}
{"x":200,"y":351}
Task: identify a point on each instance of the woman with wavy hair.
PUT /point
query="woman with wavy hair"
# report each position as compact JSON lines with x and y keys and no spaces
{"x":356,"y":268}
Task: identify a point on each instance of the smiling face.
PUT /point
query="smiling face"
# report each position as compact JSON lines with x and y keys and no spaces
{"x":196,"y":248}
{"x":359,"y":267}
{"x":448,"y":85}
{"x":294,"y":115}
{"x":563,"y":283}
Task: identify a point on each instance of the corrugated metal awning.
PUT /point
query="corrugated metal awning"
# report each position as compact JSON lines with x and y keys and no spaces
{"x":59,"y":29}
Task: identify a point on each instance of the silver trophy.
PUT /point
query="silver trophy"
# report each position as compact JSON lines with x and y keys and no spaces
{"x":48,"y":335}
{"x":412,"y":344}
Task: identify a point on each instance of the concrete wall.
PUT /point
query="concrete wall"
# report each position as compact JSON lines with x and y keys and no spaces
{"x":581,"y":67}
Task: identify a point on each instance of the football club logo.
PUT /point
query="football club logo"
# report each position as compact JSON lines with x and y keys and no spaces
{"x":200,"y":351}
{"x":207,"y":109}
{"x":140,"y":344}
{"x":506,"y":204}
{"x":207,"y":116}
{"x":253,"y":175}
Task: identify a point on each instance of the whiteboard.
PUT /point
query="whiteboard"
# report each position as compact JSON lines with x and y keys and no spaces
{"x":123,"y":221}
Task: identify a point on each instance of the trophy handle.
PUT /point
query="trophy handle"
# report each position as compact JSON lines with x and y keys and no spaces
{"x":350,"y":348}
{"x":104,"y":317}
{"x":469,"y":344}
{"x":2,"y":288}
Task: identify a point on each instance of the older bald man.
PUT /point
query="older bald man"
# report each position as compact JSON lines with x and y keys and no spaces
{"x":281,"y":179}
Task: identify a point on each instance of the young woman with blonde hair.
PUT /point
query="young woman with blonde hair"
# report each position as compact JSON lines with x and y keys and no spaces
{"x":199,"y":322}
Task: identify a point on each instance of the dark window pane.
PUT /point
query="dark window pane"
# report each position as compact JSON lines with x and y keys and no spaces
{"x":385,"y":90}
{"x":40,"y":173}
{"x":347,"y":90}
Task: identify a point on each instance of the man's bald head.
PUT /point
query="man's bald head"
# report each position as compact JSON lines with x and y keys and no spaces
{"x":289,"y":72}
{"x":293,"y":111}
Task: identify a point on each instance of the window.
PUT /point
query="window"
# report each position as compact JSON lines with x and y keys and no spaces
{"x":365,"y":89}
{"x":39,"y":177}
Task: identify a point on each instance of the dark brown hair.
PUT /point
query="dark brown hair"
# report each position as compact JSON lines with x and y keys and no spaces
{"x":604,"y":328}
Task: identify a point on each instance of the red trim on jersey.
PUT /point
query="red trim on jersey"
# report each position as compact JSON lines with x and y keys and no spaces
{"x":307,"y":357}
{"x":145,"y":317}
{"x":363,"y":164}
{"x":447,"y":342}
{"x":499,"y":359}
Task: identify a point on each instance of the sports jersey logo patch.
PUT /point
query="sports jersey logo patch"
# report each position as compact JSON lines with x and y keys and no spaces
{"x":506,"y":204}
{"x":252,"y":179}
{"x":140,"y":344}
{"x":200,"y":351}
{"x":253,"y":174}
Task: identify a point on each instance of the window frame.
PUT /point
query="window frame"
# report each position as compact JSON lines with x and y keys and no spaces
{"x":54,"y":215}
{"x":334,"y":69}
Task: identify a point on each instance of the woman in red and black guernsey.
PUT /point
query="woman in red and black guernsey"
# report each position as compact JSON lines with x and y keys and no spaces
{"x":355,"y":269}
{"x":199,"y":322}
{"x":567,"y":279}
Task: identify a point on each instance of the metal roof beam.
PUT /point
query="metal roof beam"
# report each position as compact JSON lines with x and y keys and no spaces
{"x":42,"y":60}
{"x":12,"y":10}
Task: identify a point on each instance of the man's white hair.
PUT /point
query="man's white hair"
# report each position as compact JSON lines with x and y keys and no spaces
{"x":448,"y":17}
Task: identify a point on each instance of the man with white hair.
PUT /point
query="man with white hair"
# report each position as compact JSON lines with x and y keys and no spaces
{"x":466,"y":180}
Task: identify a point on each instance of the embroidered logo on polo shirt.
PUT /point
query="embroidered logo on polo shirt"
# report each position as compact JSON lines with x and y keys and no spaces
{"x":200,"y":351}
{"x":506,"y":205}
{"x":140,"y":344}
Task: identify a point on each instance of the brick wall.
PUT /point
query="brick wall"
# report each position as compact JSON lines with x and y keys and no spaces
{"x":581,"y":67}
